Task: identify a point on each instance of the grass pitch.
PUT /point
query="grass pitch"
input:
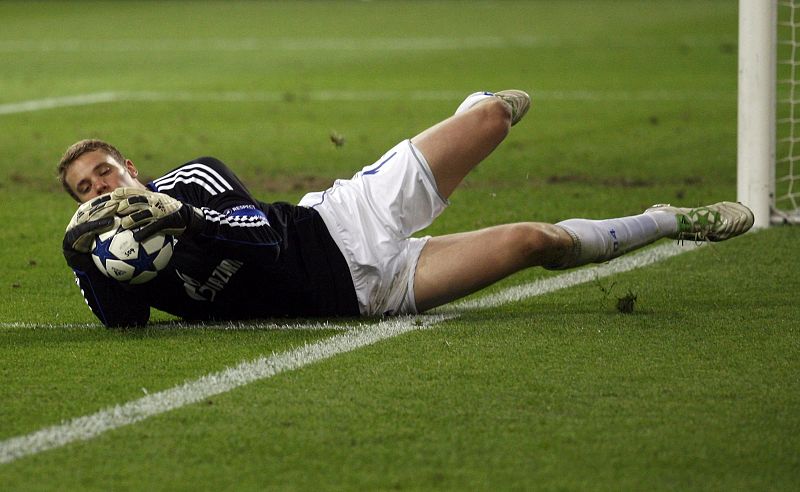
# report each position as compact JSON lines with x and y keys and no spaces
{"x":634,"y":103}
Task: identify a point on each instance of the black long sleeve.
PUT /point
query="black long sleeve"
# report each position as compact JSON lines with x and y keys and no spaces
{"x":244,"y":259}
{"x":108,"y":299}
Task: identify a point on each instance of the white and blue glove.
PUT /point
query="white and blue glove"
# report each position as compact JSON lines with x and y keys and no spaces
{"x":147,"y":212}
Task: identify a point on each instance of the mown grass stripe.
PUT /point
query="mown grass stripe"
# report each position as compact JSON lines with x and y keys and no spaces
{"x":343,"y":95}
{"x":333,"y":44}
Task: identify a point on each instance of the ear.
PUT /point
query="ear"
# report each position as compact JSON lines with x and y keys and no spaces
{"x":131,"y":168}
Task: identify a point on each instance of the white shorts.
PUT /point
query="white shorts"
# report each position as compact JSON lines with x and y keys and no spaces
{"x":372,"y":216}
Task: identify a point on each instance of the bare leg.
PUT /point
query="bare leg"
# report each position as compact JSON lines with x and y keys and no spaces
{"x":455,"y":265}
{"x":456,"y":145}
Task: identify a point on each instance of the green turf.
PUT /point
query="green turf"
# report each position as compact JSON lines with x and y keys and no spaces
{"x":634,"y":103}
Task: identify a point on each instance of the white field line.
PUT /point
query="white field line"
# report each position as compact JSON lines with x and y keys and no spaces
{"x":344,"y":95}
{"x":90,"y":426}
{"x":360,"y":335}
{"x":575,"y":277}
{"x":57,"y":102}
{"x":232,"y":326}
{"x":48,"y":326}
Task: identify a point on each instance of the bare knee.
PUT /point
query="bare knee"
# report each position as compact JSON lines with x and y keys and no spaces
{"x":496,"y":114}
{"x":538,"y":243}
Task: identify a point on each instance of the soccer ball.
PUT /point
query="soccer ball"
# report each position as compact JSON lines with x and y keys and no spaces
{"x":119,"y":256}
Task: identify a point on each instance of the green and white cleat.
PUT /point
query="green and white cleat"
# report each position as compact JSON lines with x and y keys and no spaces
{"x":716,"y":222}
{"x":519,"y":101}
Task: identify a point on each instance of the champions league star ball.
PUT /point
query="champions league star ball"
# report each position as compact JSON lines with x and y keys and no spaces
{"x":119,"y":256}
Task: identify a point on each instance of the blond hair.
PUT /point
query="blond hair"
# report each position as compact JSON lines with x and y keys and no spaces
{"x":78,"y":149}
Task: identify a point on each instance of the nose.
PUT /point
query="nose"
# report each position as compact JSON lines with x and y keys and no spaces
{"x":100,"y":187}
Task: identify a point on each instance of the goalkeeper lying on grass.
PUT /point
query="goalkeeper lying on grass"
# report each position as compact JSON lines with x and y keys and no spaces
{"x":345,"y":251}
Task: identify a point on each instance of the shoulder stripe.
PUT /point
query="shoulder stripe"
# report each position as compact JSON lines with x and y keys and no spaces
{"x":195,"y":173}
{"x":197,"y":181}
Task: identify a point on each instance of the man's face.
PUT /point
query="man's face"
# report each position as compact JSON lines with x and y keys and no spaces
{"x":97,"y":173}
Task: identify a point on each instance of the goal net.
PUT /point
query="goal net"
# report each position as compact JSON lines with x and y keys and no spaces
{"x":787,"y":129}
{"x":768,"y":153}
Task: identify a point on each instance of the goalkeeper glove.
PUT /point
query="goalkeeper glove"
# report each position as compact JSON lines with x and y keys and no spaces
{"x":101,"y":207}
{"x":147,"y":213}
{"x":80,"y":237}
{"x":92,"y":218}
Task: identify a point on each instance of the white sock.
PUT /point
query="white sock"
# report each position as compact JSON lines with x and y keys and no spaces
{"x":597,"y":241}
{"x":667,"y":221}
{"x":472,"y":100}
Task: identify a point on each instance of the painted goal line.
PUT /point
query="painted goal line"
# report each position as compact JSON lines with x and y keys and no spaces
{"x":359,"y":335}
{"x":177,"y":325}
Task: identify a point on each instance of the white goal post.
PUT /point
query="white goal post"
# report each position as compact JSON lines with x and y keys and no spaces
{"x":768,"y":143}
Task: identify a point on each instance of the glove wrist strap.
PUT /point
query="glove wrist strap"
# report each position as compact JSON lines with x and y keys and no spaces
{"x":194,"y":220}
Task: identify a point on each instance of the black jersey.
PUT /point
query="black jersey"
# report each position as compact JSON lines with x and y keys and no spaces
{"x":250,"y":260}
